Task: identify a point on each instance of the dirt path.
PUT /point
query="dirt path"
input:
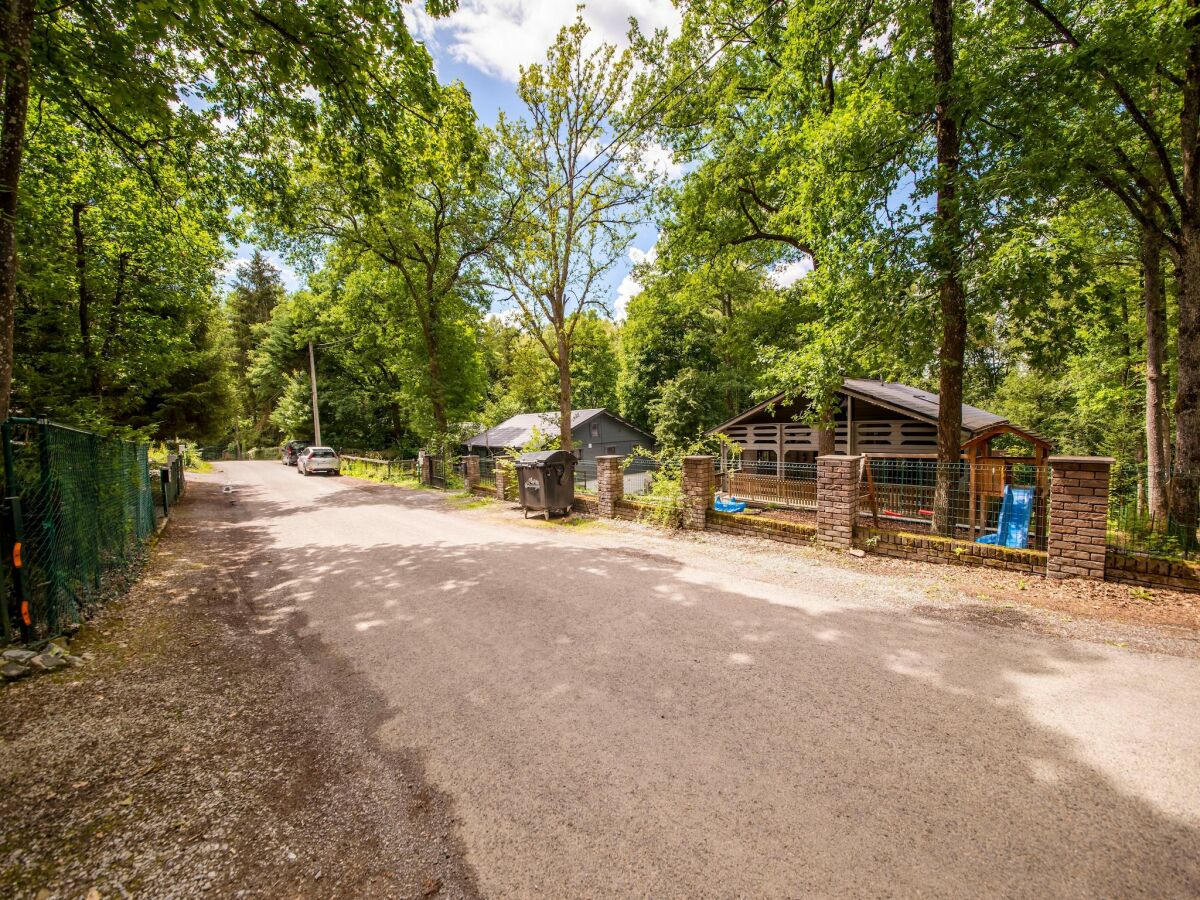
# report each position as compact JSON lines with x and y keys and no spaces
{"x":198,"y":752}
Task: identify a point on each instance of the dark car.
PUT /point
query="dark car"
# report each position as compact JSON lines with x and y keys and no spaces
{"x":292,"y":450}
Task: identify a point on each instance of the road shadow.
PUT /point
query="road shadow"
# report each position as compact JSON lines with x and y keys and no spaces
{"x":647,"y":731}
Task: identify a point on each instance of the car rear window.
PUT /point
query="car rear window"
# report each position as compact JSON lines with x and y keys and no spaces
{"x":323,"y":454}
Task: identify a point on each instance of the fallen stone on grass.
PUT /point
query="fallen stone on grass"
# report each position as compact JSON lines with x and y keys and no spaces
{"x":14,"y":670}
{"x":47,"y":661}
{"x":18,"y":655}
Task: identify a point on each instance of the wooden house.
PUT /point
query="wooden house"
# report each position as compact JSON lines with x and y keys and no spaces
{"x":888,"y":424}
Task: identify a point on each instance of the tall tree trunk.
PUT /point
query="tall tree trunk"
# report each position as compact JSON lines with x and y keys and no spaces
{"x":947,"y":244}
{"x":1185,"y":482}
{"x":1154,"y":302}
{"x":17,"y":28}
{"x":826,"y":440}
{"x":85,"y":299}
{"x":563,"y":347}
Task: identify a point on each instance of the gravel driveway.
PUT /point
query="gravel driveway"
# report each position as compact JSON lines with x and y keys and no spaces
{"x":605,"y":710}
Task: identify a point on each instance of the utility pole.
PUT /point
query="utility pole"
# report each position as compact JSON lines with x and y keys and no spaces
{"x":312,"y":377}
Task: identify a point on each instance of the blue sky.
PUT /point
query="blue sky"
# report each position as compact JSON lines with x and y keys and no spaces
{"x":484,"y":44}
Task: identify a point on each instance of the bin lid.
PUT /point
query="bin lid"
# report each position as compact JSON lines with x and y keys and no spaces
{"x":545,"y":458}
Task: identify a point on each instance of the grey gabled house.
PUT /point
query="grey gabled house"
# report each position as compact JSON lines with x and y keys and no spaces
{"x":595,"y":432}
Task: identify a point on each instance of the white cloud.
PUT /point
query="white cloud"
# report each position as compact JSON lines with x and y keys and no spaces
{"x":630,"y":287}
{"x":499,"y":36}
{"x":660,"y":160}
{"x":787,"y":274}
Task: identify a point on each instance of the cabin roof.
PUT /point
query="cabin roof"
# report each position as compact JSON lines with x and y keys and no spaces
{"x":907,"y":400}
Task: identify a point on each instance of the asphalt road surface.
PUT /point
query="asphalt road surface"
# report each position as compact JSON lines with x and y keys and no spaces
{"x":615,"y":712}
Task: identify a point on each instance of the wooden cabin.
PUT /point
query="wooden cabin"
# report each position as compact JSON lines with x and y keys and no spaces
{"x":887,"y":423}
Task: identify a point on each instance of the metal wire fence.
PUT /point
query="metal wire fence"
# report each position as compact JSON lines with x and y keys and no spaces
{"x":385,"y":470}
{"x":585,"y":476}
{"x":79,"y":509}
{"x":1142,"y":526}
{"x":901,"y":494}
{"x":650,"y":480}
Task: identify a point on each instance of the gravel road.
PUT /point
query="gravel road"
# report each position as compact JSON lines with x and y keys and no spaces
{"x":614,"y":711}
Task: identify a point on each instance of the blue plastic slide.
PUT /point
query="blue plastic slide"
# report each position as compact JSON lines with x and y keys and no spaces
{"x":1012,"y":530}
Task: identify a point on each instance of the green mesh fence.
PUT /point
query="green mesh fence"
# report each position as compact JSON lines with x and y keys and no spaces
{"x":387,"y":470}
{"x":900,"y":495}
{"x":1134,"y":527}
{"x":82,"y":507}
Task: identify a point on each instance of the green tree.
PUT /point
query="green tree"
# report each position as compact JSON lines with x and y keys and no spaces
{"x":257,"y":289}
{"x":579,"y":195}
{"x":415,"y":215}
{"x":155,"y":83}
{"x":120,"y":317}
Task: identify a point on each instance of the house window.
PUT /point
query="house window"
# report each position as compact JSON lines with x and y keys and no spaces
{"x":611,"y":451}
{"x":595,"y":429}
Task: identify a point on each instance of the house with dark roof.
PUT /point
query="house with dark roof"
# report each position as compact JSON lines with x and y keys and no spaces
{"x":595,"y":432}
{"x":894,"y":428}
{"x":874,"y":418}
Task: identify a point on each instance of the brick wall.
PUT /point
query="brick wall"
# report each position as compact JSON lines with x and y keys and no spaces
{"x":931,"y":548}
{"x":610,"y":485}
{"x":1078,"y":516}
{"x":633,"y":511}
{"x":697,"y":491}
{"x":837,"y":499}
{"x":1170,"y":573}
{"x":798,"y":533}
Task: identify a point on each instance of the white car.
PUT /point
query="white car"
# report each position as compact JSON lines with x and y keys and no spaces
{"x":319,"y":459}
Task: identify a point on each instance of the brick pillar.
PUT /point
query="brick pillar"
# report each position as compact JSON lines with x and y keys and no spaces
{"x":697,"y":490}
{"x":837,"y":499}
{"x":504,"y":471}
{"x":610,"y":485}
{"x":424,"y":468}
{"x":1078,"y":516}
{"x":471,"y":471}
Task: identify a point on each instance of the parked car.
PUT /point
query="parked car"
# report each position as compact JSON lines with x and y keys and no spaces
{"x":315,"y":460}
{"x":291,"y":451}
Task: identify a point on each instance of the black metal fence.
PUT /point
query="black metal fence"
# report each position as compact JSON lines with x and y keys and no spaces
{"x":487,"y":472}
